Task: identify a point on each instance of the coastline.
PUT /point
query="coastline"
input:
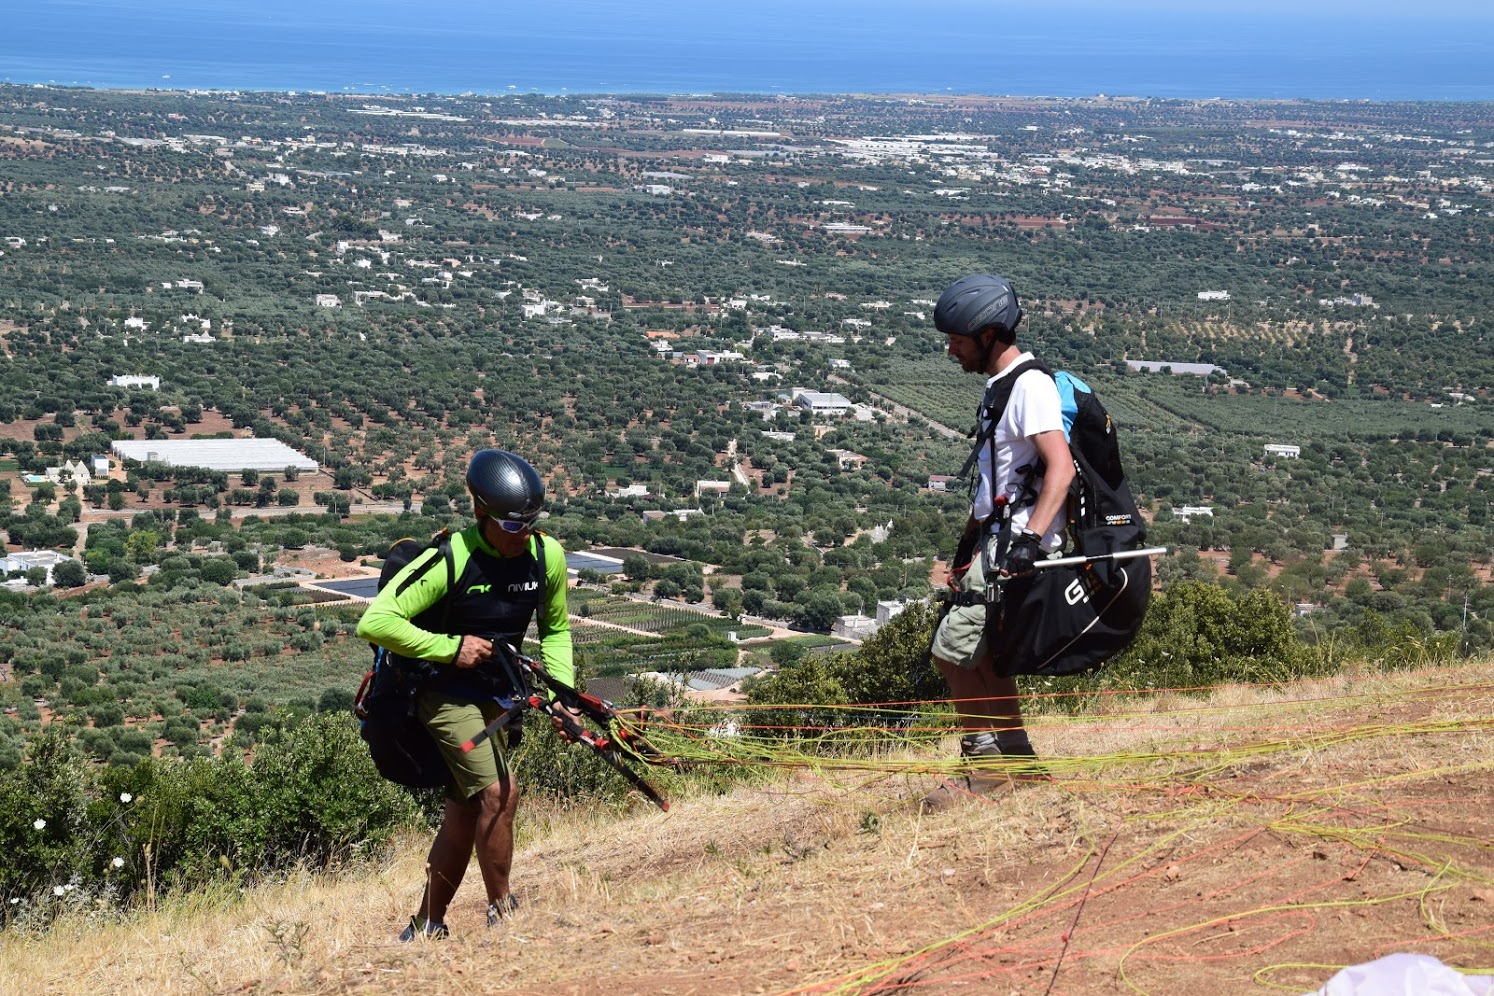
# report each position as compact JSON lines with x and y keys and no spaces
{"x":718,"y":94}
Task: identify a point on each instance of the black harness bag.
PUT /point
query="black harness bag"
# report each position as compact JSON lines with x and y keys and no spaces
{"x":1067,"y":620}
{"x":401,"y":747}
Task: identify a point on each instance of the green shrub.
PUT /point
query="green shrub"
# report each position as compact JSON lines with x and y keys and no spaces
{"x":311,"y":796}
{"x":106,"y":714}
{"x":37,"y":686}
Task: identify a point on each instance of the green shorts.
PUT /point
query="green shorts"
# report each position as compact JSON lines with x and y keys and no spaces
{"x":454,"y":721}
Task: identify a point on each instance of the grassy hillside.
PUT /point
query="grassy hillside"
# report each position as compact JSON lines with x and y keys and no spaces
{"x":1253,"y":838}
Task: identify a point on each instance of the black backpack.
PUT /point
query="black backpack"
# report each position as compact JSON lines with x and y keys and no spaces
{"x":401,"y":747}
{"x":1071,"y":619}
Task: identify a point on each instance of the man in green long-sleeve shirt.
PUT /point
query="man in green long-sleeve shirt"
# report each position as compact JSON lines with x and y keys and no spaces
{"x":505,"y":574}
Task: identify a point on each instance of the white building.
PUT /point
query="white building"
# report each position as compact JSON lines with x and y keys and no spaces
{"x":27,"y":559}
{"x":710,"y":358}
{"x":328,"y":301}
{"x":232,"y":455}
{"x":1213,"y":295}
{"x":712,"y":488}
{"x":72,"y":473}
{"x":824,"y":403}
{"x":886,"y":610}
{"x":1352,"y":301}
{"x":857,"y":627}
{"x":1188,"y":512}
{"x":132,"y":380}
{"x":1283,"y":450}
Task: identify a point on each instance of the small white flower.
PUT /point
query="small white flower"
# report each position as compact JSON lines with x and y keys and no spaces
{"x":125,"y":797}
{"x":40,"y":824}
{"x":68,"y":888}
{"x":14,"y":901}
{"x":58,"y":890}
{"x":118,"y":862}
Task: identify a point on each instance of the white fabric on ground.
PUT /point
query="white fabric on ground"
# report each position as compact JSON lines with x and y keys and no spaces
{"x":1405,"y":975}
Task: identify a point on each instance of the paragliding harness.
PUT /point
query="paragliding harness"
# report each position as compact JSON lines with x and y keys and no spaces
{"x":1072,"y":614}
{"x":402,"y":749}
{"x":613,"y":741}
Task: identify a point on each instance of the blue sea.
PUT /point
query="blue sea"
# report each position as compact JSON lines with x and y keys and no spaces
{"x":1212,"y":48}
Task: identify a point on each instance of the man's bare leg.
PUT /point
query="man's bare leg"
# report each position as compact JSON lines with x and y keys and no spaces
{"x":982,"y":700}
{"x":447,"y":862}
{"x":498,"y":805}
{"x":986,"y":704}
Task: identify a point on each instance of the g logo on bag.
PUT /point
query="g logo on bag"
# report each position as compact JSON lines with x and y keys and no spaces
{"x":1076,"y":592}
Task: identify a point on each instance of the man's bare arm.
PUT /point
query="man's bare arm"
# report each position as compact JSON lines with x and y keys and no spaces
{"x":1054,"y":449}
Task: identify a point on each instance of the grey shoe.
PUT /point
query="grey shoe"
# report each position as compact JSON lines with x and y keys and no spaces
{"x":428,"y":930}
{"x":952,"y":792}
{"x":983,"y":748}
{"x":502,"y":909}
{"x":979,"y":745}
{"x":991,"y":771}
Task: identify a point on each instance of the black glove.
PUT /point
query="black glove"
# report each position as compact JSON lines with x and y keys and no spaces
{"x":1025,"y":549}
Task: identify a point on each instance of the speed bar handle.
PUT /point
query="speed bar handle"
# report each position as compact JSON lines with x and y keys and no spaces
{"x":1150,"y":551}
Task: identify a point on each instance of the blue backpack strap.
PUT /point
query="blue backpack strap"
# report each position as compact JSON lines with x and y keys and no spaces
{"x":1069,"y":388}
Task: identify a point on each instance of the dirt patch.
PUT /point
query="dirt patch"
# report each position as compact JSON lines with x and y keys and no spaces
{"x":326,"y":563}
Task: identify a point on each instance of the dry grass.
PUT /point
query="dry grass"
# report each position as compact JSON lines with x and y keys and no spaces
{"x":1186,"y":843}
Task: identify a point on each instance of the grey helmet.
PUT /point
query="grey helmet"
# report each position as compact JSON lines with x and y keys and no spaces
{"x":505,"y":486}
{"x":977,"y":302}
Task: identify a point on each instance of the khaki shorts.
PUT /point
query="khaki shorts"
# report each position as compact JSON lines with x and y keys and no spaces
{"x":453,"y":722}
{"x":961,"y":637}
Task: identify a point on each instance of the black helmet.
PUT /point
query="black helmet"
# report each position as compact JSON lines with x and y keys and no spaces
{"x":978,"y":302}
{"x":505,"y":486}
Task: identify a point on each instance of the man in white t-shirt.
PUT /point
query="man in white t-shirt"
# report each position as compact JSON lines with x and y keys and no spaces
{"x":1015,"y":519}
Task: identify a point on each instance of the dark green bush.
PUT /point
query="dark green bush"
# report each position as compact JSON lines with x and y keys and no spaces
{"x":310,"y":796}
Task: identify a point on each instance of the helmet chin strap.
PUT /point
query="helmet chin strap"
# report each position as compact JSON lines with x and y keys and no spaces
{"x":994,"y":340}
{"x":985,"y":356}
